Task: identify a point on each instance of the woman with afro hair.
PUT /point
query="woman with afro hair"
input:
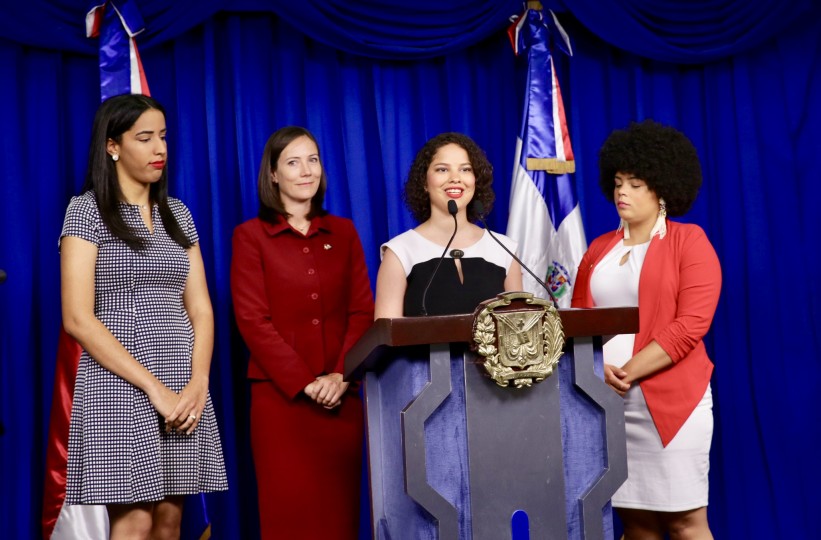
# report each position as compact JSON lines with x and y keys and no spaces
{"x":449,"y":169}
{"x":671,"y":272}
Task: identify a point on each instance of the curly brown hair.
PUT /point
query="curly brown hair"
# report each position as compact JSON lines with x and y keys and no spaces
{"x":418,"y":200}
{"x":660,"y":155}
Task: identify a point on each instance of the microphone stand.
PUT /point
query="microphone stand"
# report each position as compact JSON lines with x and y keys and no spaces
{"x":452,"y":210}
{"x":480,"y":210}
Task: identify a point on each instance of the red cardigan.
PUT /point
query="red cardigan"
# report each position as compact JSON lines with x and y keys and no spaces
{"x":679,"y":287}
{"x":300,"y":301}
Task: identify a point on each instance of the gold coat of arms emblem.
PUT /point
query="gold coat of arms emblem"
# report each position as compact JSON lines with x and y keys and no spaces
{"x":520,"y":337}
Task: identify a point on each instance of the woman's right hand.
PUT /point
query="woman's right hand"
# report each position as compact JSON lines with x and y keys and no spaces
{"x":614,"y":377}
{"x":164,"y":400}
{"x":327,"y":390}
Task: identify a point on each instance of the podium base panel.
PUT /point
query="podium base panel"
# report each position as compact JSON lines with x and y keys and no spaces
{"x":452,"y":455}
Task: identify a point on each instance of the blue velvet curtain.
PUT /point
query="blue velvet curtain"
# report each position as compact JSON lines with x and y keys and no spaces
{"x":391,"y":29}
{"x":746,"y":93}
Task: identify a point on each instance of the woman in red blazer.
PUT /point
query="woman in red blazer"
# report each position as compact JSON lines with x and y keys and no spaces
{"x":671,"y":272}
{"x":301,"y":299}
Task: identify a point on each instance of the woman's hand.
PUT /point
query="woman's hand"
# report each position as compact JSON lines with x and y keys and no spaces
{"x":327,"y":390}
{"x":186,"y":414}
{"x":614,"y":377}
{"x":164,"y":400}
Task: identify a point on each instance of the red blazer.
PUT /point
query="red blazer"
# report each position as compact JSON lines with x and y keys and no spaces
{"x":679,"y":288}
{"x":300,"y":301}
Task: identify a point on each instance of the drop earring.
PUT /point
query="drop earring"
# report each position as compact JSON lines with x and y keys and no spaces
{"x":660,"y":227}
{"x":623,"y":225}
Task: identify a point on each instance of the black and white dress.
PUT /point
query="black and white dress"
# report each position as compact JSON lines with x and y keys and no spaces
{"x":484,"y":269}
{"x":118,"y":451}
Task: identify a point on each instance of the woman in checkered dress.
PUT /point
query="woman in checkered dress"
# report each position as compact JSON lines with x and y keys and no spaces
{"x":143,"y":432}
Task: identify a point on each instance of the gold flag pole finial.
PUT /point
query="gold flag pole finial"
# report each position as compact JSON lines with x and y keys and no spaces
{"x":534,"y":4}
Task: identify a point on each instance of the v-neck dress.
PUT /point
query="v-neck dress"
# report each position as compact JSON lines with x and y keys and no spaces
{"x":484,"y":269}
{"x":118,"y":451}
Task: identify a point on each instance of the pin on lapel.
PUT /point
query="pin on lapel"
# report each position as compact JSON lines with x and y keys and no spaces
{"x":327,"y":246}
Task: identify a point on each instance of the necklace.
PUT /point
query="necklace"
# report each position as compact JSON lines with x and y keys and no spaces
{"x":302,"y":228}
{"x":140,"y":206}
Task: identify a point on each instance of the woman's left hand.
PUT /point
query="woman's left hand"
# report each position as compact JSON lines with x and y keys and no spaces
{"x":330,"y":389}
{"x":186,"y":415}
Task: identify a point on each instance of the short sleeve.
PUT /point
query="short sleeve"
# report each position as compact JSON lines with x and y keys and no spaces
{"x":400,"y":248}
{"x":184,"y":219}
{"x":82,"y":220}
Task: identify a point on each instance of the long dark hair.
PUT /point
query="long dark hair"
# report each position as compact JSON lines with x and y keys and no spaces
{"x":270,"y":201}
{"x":115,"y":116}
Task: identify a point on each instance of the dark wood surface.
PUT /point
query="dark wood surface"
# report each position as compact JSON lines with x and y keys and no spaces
{"x":406,"y":331}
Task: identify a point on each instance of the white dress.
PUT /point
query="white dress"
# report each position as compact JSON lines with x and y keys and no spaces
{"x":671,"y":479}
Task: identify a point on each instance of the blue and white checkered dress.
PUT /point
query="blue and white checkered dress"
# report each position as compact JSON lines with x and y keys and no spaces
{"x":118,"y":451}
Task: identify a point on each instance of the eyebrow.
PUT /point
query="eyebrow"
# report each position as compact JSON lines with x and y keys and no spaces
{"x":286,"y":158}
{"x":149,"y":132}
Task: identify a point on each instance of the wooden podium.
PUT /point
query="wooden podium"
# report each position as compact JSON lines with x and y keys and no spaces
{"x":453,"y":455}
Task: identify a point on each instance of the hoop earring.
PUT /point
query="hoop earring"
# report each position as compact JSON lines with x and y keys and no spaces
{"x":660,"y":227}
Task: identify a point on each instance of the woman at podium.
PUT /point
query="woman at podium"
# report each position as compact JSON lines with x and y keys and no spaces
{"x":447,"y":264}
{"x":301,"y":299}
{"x":671,"y":272}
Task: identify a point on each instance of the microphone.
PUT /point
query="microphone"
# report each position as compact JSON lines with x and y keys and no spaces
{"x":2,"y":276}
{"x":452,"y":210}
{"x":480,"y":210}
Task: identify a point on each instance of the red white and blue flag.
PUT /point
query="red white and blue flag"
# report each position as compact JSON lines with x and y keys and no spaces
{"x":544,"y":210}
{"x":62,"y":521}
{"x":116,"y":24}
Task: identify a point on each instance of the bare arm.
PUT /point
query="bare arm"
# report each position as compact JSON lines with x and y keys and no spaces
{"x":78,"y":258}
{"x":513,"y":281}
{"x":197,"y":303}
{"x":391,"y":284}
{"x":647,"y":361}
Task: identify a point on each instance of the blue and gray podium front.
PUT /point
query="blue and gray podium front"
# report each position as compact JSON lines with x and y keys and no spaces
{"x":453,"y":455}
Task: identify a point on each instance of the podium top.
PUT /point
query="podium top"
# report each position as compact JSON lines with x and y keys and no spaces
{"x":406,"y":331}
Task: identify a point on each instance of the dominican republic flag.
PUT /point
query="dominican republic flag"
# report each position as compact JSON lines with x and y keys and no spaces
{"x":544,"y":211}
{"x":116,"y":24}
{"x":66,"y":522}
